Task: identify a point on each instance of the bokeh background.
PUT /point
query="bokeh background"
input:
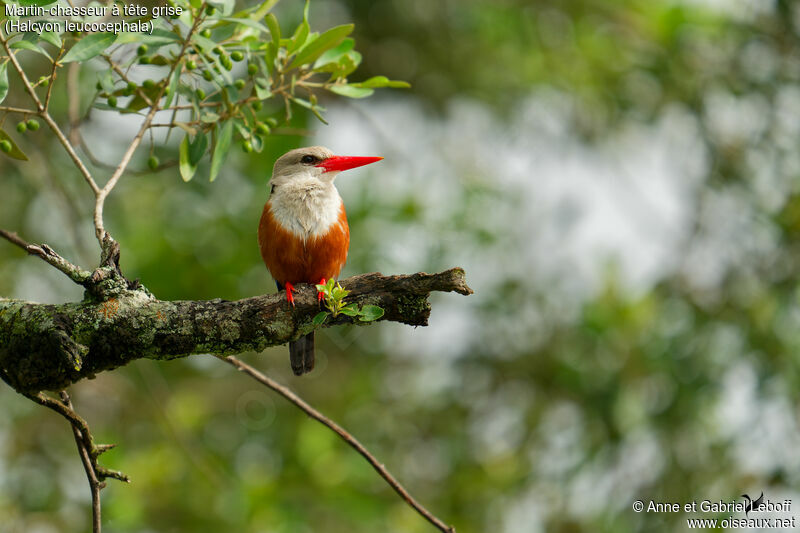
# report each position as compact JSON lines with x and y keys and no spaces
{"x":621,"y":182}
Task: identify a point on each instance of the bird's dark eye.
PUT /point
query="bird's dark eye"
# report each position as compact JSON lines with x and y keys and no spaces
{"x":308,"y":159}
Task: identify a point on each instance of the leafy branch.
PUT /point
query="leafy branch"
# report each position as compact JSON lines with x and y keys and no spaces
{"x":333,"y":295}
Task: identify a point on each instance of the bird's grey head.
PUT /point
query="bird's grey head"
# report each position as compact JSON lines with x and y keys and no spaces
{"x":302,"y":164}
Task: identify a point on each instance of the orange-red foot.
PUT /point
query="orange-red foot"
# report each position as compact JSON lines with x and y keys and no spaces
{"x":321,"y":295}
{"x":289,"y":289}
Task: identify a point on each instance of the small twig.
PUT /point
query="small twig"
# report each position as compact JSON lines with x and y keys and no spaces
{"x":20,"y":110}
{"x":88,"y":451}
{"x":53,"y":77}
{"x":95,"y":485}
{"x":100,"y":198}
{"x":75,"y":273}
{"x":347,"y":437}
{"x":42,"y":111}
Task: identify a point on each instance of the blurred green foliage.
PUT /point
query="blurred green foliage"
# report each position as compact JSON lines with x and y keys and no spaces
{"x":525,"y":407}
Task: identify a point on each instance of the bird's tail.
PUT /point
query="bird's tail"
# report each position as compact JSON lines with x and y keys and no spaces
{"x":301,"y":354}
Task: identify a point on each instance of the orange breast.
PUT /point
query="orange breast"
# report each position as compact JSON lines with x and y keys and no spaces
{"x":291,"y":259}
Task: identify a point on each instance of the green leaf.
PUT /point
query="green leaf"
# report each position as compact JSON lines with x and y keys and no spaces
{"x":247,"y":22}
{"x":349,"y":310}
{"x":299,"y":38}
{"x":334,"y":54}
{"x":15,"y":152}
{"x":369,"y":313}
{"x":331,"y":38}
{"x":185,"y":164}
{"x":52,"y":38}
{"x":159,"y":37}
{"x":89,"y":47}
{"x":27,"y":45}
{"x":209,"y":117}
{"x":221,"y":148}
{"x":106,"y":80}
{"x":173,"y":85}
{"x":197,"y":148}
{"x":274,"y":28}
{"x":350,"y":91}
{"x":226,"y":6}
{"x":319,"y":318}
{"x":263,"y":9}
{"x":381,"y":81}
{"x":3,"y":81}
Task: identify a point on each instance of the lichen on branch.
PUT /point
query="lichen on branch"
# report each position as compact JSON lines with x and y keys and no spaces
{"x":49,"y":346}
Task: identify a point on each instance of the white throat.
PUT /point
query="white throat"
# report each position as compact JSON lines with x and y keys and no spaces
{"x":306,"y":206}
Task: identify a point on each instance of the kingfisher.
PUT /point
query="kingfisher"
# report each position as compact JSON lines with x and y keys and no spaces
{"x":303,"y":233}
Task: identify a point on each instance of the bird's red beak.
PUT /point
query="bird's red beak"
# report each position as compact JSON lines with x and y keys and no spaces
{"x":346,"y":162}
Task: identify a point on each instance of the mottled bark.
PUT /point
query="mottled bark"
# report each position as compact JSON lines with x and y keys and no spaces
{"x":47,"y":347}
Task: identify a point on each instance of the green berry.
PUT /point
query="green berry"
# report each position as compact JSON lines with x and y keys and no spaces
{"x":206,"y":33}
{"x":98,"y":86}
{"x":148,"y":84}
{"x":247,"y":146}
{"x":201,"y":94}
{"x":252,"y":68}
{"x":144,"y":60}
{"x":262,"y":128}
{"x":44,"y":81}
{"x":191,"y":64}
{"x":142,"y":50}
{"x":239,"y":84}
{"x":5,"y":146}
{"x":210,"y":10}
{"x":152,"y":162}
{"x":22,"y":127}
{"x":33,"y":124}
{"x":236,"y":55}
{"x":207,"y":75}
{"x":112,"y":101}
{"x":227,"y":64}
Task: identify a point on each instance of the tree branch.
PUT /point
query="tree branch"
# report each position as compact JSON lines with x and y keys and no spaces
{"x":88,"y":451}
{"x":75,"y":273}
{"x":47,"y":347}
{"x":42,"y":111}
{"x":345,"y":436}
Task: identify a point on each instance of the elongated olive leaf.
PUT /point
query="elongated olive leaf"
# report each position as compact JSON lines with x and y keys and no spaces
{"x":350,"y":91}
{"x":52,"y":38}
{"x":221,"y":149}
{"x":15,"y":152}
{"x":197,"y":148}
{"x":299,"y":38}
{"x":27,"y":45}
{"x":274,"y":28}
{"x":186,"y":166}
{"x":173,"y":86}
{"x":263,"y":9}
{"x":89,"y":47}
{"x":335,"y":54}
{"x":3,"y":81}
{"x":331,"y":38}
{"x":247,"y":22}
{"x":381,"y":81}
